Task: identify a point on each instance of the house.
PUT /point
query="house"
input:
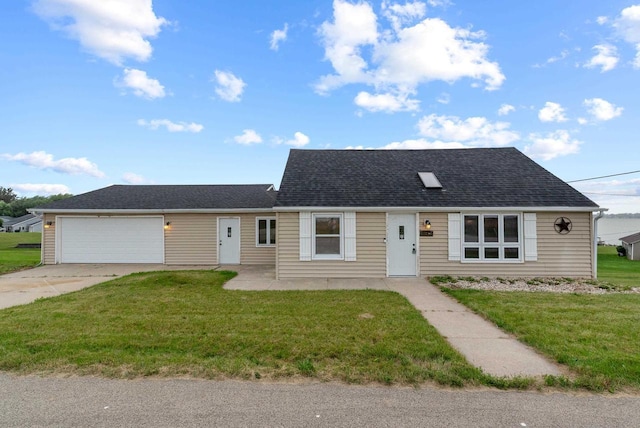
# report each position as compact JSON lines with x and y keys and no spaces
{"x":631,"y":244}
{"x":349,"y":214}
{"x":170,"y":224}
{"x":25,"y":223}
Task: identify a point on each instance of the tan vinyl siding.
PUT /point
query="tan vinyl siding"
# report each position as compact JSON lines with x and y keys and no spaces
{"x":370,"y":250}
{"x":49,"y":240}
{"x":567,"y":255}
{"x":191,"y":239}
{"x":250,"y":253}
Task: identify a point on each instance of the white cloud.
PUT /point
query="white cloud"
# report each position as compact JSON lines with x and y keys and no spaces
{"x":552,"y":112}
{"x":44,"y":160}
{"x":432,"y":50}
{"x":602,"y":20}
{"x":132,"y":178}
{"x":354,"y":25}
{"x":141,"y":84}
{"x":40,"y":189}
{"x":472,"y":132}
{"x":582,"y":121}
{"x":113,"y":30}
{"x":388,"y":102}
{"x":552,"y":145}
{"x":278,"y":36}
{"x":299,"y":140}
{"x":171,"y":126}
{"x":402,"y":14}
{"x":229,"y":87}
{"x":444,"y":98}
{"x":627,"y":26}
{"x":563,"y":55}
{"x":606,"y":58}
{"x":505,"y":109}
{"x":248,"y":137}
{"x":602,"y":110}
{"x":400,"y":58}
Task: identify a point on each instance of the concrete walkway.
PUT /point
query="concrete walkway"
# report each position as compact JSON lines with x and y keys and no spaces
{"x":481,"y":342}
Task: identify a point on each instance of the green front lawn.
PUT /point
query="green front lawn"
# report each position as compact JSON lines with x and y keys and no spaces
{"x":184,"y":323}
{"x":598,"y":336}
{"x":12,"y":258}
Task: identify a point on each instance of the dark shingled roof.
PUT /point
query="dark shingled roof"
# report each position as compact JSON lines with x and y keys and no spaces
{"x":496,"y":177}
{"x":168,"y":197}
{"x":631,"y":239}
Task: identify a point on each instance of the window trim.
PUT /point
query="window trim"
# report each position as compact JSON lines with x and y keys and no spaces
{"x":268,"y":220}
{"x":314,"y":255}
{"x":501,"y":244}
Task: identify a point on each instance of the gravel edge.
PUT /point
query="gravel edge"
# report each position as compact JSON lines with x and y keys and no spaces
{"x":534,"y":285}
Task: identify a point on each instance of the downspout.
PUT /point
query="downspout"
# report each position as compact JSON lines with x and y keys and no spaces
{"x":595,"y":242}
{"x":40,"y":215}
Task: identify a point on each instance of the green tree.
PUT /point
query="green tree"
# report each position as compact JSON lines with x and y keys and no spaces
{"x":19,"y":206}
{"x":7,"y":195}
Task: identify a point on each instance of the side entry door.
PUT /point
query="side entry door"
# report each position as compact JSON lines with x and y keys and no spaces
{"x":229,"y":241}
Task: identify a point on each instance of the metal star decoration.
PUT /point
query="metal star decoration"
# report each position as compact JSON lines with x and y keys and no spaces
{"x":563,"y":225}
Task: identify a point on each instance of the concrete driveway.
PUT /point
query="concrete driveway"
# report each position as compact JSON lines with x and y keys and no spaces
{"x":26,"y":286}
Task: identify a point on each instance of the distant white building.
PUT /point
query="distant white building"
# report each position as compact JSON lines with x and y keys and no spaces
{"x":26,"y":223}
{"x":631,"y":243}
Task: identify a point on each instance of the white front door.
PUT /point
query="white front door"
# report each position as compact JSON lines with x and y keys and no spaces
{"x":401,"y":244}
{"x":229,"y":241}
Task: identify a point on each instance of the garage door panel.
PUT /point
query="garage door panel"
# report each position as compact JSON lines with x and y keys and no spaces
{"x":111,"y":240}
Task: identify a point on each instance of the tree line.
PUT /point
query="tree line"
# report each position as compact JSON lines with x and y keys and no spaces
{"x":13,"y":206}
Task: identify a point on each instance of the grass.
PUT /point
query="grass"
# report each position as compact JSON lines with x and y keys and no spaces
{"x":184,"y":323}
{"x":13,"y":259}
{"x":617,"y":270}
{"x":598,"y":336}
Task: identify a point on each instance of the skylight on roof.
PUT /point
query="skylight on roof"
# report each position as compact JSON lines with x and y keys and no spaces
{"x":430,"y":180}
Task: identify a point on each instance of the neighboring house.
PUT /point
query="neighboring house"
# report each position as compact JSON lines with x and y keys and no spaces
{"x":346,"y":213}
{"x":25,"y":223}
{"x":631,"y":244}
{"x":181,"y":224}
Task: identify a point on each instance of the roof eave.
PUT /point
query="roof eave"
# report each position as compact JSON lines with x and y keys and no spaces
{"x":149,"y":211}
{"x":439,"y":209}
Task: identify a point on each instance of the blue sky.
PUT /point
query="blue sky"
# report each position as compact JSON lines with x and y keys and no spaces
{"x":191,"y":92}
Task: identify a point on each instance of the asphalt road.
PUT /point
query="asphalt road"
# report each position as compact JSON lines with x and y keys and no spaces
{"x":92,"y":402}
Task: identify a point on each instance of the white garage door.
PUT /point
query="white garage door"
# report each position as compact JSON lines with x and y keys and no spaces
{"x":110,"y":240}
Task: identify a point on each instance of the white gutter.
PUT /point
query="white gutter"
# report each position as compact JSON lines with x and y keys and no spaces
{"x":435,"y":209}
{"x":296,"y":209}
{"x":595,"y":241}
{"x":152,"y":211}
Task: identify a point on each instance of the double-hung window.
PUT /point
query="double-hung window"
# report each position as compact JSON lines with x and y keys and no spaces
{"x":265,"y":231}
{"x":492,"y":237}
{"x":328,"y":242}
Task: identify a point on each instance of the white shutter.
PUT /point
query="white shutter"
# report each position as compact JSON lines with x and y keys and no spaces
{"x":350,"y":236}
{"x":454,"y":236}
{"x":530,"y":238}
{"x":305,"y":236}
